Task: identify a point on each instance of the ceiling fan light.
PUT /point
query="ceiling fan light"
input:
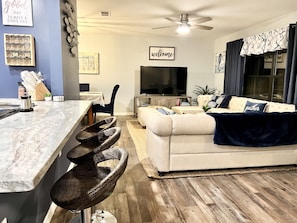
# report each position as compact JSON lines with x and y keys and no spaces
{"x":183,"y":29}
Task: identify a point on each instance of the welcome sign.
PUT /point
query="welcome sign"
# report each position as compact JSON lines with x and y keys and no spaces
{"x":17,"y":12}
{"x":161,"y":53}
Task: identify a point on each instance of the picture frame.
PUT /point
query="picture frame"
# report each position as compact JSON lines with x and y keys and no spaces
{"x":88,"y":63}
{"x":161,"y":53}
{"x":14,"y":14}
{"x":269,"y":58}
{"x":220,"y":62}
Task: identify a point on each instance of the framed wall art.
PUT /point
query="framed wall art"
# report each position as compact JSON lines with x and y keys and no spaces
{"x":220,"y":62}
{"x":161,"y":53}
{"x":88,"y":63}
{"x":16,"y":13}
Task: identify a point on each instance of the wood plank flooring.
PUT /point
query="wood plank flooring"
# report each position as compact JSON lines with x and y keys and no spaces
{"x":252,"y":198}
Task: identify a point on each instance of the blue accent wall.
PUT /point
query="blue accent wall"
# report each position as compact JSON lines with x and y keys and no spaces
{"x":53,"y":58}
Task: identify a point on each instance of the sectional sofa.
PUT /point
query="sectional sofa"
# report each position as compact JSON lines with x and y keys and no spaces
{"x":188,"y":142}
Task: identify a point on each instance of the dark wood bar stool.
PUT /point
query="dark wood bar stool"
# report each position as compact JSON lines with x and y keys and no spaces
{"x":92,"y":130}
{"x":101,"y":141}
{"x":89,"y":183}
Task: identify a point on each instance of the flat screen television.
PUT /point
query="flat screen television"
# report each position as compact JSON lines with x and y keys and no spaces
{"x":163,"y":80}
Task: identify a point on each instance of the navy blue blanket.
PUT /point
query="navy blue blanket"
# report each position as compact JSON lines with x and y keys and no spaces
{"x":255,"y":129}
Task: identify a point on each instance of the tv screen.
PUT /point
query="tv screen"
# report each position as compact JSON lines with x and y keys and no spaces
{"x":163,"y":80}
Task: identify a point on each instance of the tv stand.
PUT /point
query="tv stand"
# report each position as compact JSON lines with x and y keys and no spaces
{"x":161,"y":100}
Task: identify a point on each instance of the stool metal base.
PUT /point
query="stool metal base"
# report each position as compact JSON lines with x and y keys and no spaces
{"x":101,"y":216}
{"x":83,"y":217}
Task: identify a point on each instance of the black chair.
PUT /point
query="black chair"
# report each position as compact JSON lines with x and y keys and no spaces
{"x":91,"y":131}
{"x":86,"y":150}
{"x":107,"y":108}
{"x":88,"y":184}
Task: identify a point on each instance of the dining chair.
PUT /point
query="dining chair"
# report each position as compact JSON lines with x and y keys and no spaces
{"x":107,"y":108}
{"x":89,"y":183}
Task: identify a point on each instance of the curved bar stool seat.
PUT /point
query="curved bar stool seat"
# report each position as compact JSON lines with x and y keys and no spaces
{"x":92,"y":130}
{"x":88,"y":184}
{"x":103,"y":140}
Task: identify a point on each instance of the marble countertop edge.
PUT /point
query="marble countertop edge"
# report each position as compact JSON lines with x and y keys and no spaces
{"x":63,"y":119}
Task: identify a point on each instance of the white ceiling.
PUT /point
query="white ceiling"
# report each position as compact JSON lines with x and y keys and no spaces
{"x":138,"y":17}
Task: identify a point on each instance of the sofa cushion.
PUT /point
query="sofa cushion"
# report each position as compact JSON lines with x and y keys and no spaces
{"x":190,"y":124}
{"x":203,"y":99}
{"x":279,"y":107}
{"x":254,"y":107}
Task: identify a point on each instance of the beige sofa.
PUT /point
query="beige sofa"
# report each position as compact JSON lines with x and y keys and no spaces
{"x":237,"y":104}
{"x":185,"y":142}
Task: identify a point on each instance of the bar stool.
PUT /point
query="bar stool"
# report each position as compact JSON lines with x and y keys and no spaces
{"x":88,"y":184}
{"x":102,"y":141}
{"x":92,"y":130}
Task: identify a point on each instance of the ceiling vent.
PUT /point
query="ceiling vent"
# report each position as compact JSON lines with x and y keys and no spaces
{"x":105,"y":13}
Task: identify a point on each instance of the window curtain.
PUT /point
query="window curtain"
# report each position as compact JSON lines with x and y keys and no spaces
{"x":265,"y":42}
{"x":290,"y":85}
{"x":234,"y":69}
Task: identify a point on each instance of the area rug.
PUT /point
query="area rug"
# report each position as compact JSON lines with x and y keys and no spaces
{"x":137,"y":134}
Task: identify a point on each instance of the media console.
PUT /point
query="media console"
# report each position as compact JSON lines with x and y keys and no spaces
{"x":161,"y":100}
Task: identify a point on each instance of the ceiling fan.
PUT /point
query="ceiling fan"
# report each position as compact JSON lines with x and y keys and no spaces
{"x":184,"y":24}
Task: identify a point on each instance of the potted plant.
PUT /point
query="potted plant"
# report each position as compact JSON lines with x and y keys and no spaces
{"x":199,"y":90}
{"x":48,"y":96}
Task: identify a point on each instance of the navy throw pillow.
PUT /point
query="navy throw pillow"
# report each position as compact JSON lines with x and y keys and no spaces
{"x":225,"y":102}
{"x":219,"y":101}
{"x":254,"y":107}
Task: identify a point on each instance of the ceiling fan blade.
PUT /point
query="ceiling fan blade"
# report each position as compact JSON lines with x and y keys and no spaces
{"x":171,"y":19}
{"x":162,"y":27}
{"x":202,"y":27}
{"x":201,"y":20}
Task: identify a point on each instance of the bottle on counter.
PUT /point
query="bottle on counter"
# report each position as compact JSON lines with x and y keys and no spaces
{"x":21,"y":90}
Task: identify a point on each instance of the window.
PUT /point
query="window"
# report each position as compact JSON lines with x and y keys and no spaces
{"x":264,"y":76}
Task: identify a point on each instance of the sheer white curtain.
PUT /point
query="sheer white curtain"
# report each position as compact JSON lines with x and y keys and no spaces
{"x":265,"y":42}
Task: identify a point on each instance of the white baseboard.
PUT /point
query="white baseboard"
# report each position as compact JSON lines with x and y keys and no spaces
{"x":50,"y":213}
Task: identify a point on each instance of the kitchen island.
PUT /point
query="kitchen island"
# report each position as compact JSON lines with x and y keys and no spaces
{"x":33,"y":147}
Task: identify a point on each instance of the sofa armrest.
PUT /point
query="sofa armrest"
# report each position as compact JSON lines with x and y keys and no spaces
{"x":159,"y":123}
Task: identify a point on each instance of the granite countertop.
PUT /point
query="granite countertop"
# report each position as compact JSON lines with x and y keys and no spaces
{"x":31,"y":141}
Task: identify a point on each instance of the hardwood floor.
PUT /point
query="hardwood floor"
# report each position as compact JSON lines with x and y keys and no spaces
{"x":253,"y":198}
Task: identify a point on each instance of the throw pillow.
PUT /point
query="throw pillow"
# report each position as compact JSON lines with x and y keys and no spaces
{"x":254,"y":107}
{"x":165,"y":111}
{"x":225,"y":102}
{"x":219,"y":101}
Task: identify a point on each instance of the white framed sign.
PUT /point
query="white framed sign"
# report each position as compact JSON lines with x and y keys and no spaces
{"x":161,"y":53}
{"x":17,"y":13}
